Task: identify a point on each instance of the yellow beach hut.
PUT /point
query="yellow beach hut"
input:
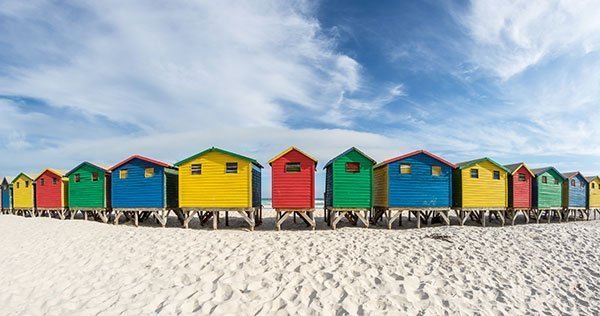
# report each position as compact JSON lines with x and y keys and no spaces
{"x":23,"y":194}
{"x":480,"y":186}
{"x":594,"y":195}
{"x":217,"y":180}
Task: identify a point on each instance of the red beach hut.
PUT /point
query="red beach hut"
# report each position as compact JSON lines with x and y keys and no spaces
{"x":293,"y":185}
{"x":51,"y":192}
{"x":520,"y":190}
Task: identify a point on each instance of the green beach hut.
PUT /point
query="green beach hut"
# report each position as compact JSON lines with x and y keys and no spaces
{"x":349,"y":187}
{"x":547,"y":193}
{"x":89,"y":190}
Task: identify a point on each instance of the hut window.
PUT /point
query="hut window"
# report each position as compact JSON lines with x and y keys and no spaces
{"x":496,"y":175}
{"x":196,"y":169}
{"x":353,"y":167}
{"x":27,"y":184}
{"x":53,"y":180}
{"x":581,"y":184}
{"x":123,"y":173}
{"x":555,"y":181}
{"x":572,"y":183}
{"x":231,"y":167}
{"x":405,"y":169}
{"x":77,"y":177}
{"x":295,"y":167}
{"x":544,"y":179}
{"x":94,"y":176}
{"x":522,"y":177}
{"x":42,"y":182}
{"x":593,"y":186}
{"x":475,"y":173}
{"x":17,"y":184}
{"x":436,"y":171}
{"x":149,"y":172}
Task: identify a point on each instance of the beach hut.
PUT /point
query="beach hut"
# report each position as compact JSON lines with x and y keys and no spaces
{"x":24,"y":194}
{"x":51,"y":192}
{"x":594,"y":194}
{"x":547,"y":193}
{"x":349,"y":187}
{"x":216,"y":180}
{"x":89,"y":191}
{"x":480,"y":188}
{"x":293,"y":185}
{"x":520,"y":191}
{"x":575,"y":195}
{"x":6,"y":187}
{"x":418,"y":182}
{"x":142,"y":186}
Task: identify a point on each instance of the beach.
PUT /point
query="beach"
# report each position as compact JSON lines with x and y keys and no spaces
{"x":54,"y":267}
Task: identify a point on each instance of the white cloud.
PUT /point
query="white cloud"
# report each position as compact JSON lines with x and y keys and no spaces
{"x":512,"y":36}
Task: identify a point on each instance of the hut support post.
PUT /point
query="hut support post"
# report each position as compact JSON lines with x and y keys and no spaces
{"x":188,"y":215}
{"x":161,"y":216}
{"x":308,"y":218}
{"x":118,"y":215}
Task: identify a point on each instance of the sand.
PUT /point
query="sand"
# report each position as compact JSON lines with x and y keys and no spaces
{"x":54,"y":267}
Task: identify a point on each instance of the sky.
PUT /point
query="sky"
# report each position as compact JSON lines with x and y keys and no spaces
{"x":102,"y":80}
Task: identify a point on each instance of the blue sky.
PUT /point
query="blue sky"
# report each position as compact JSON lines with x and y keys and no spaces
{"x":102,"y":80}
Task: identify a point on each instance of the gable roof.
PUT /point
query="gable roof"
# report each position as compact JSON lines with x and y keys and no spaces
{"x":414,"y":153}
{"x":59,"y":173}
{"x":570,"y":175}
{"x":253,"y":161}
{"x":22,"y":174}
{"x":466,"y":164}
{"x":346,"y":152}
{"x":592,"y":178}
{"x":152,"y":161}
{"x":103,"y":168}
{"x":8,"y":179}
{"x":539,"y":171}
{"x":290,"y":149}
{"x":512,"y":168}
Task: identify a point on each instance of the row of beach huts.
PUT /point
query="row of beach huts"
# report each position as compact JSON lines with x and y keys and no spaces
{"x":215,"y":182}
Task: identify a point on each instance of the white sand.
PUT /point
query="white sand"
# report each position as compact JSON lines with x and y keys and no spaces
{"x":54,"y":267}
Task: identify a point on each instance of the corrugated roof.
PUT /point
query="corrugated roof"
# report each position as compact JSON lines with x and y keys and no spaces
{"x":590,"y":179}
{"x":512,"y":168}
{"x":414,"y":153}
{"x":572,"y":174}
{"x":152,"y":161}
{"x":290,"y":149}
{"x":23,"y":174}
{"x":539,"y":171}
{"x":345,"y":152}
{"x":97,"y":166}
{"x":465,"y":164}
{"x":221,"y":151}
{"x":60,"y":173}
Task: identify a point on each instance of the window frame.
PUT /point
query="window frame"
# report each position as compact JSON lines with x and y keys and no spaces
{"x":524,"y":177}
{"x":474,"y":175}
{"x":27,"y":183}
{"x":439,"y":168}
{"x":42,"y":182}
{"x":544,"y":179}
{"x":573,"y":182}
{"x":228,"y":164}
{"x":356,"y":168}
{"x":496,"y":175}
{"x":123,"y":173}
{"x":54,"y":181}
{"x":197,"y":167}
{"x":290,"y":167}
{"x":149,"y":175}
{"x":77,"y":177}
{"x":95,"y":175}
{"x":404,"y":167}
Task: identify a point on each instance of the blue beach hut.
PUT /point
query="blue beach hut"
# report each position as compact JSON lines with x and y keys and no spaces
{"x":142,"y":186}
{"x":575,"y":194}
{"x":418,"y":182}
{"x":6,"y":191}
